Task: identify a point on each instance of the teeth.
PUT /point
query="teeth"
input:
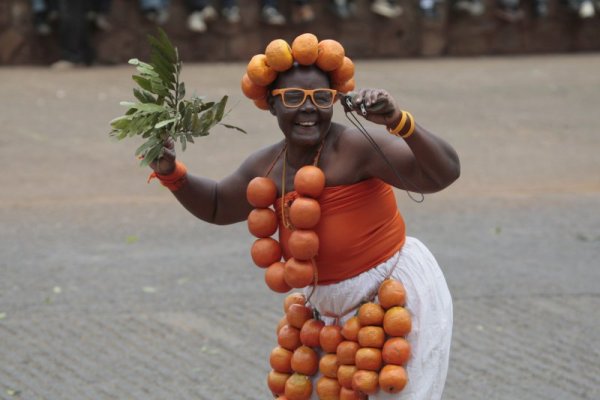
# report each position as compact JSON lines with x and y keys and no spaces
{"x":306,"y":123}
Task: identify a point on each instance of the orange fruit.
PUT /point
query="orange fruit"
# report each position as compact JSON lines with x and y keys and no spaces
{"x":371,"y":314}
{"x":351,"y":328}
{"x":392,"y":378}
{"x":309,"y":333}
{"x":265,"y":252}
{"x":303,"y":244}
{"x":276,"y":382}
{"x":305,"y":361}
{"x":331,"y":55}
{"x":368,"y":358}
{"x":345,"y":373}
{"x":274,"y":278}
{"x":344,"y":73}
{"x":298,"y":387}
{"x":328,"y":365}
{"x":309,"y":181}
{"x":305,"y":49}
{"x":396,"y":351}
{"x":299,"y":273}
{"x":298,"y":314}
{"x":261,"y":192}
{"x":346,"y":351}
{"x":259,"y":71}
{"x":293,"y":298}
{"x":281,"y":360}
{"x":351,"y":394}
{"x":288,"y":337}
{"x":371,"y":336}
{"x":279,"y":55}
{"x":328,"y":388}
{"x":262,"y":103}
{"x":252,"y":90}
{"x":366,"y":382}
{"x":397,"y":321}
{"x":283,"y":321}
{"x":262,"y":222}
{"x":391,"y":293}
{"x":345,"y":87}
{"x":305,"y":213}
{"x":330,"y":337}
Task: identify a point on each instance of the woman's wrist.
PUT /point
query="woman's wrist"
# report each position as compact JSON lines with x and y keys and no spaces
{"x":173,"y":180}
{"x":405,"y":125}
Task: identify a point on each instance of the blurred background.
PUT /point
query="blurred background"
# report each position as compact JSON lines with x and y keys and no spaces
{"x":109,"y":289}
{"x":109,"y":31}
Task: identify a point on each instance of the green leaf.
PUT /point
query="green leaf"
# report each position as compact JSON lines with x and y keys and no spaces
{"x":143,"y":96}
{"x":181,"y":90}
{"x":150,"y":108}
{"x":144,"y":83}
{"x":233,"y":127}
{"x":165,"y":122}
{"x":164,"y":46}
{"x":220,"y":109}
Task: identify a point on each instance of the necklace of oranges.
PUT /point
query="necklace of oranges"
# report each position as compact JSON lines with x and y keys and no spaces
{"x":300,"y":217}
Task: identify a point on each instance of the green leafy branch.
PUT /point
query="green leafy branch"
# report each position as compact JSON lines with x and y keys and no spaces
{"x":161,"y":110}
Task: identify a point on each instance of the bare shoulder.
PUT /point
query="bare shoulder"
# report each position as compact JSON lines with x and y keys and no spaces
{"x":258,"y":163}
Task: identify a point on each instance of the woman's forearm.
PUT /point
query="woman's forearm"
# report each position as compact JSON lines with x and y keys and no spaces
{"x":199,"y":196}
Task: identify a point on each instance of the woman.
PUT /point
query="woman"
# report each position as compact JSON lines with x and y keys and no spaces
{"x":361,"y":232}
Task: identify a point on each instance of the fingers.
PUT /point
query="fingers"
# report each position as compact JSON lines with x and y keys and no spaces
{"x":373,"y":100}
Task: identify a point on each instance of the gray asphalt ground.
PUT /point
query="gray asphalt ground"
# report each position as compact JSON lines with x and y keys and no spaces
{"x":110,"y":290}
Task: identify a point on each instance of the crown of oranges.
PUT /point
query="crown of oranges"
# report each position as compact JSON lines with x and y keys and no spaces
{"x":328,"y":55}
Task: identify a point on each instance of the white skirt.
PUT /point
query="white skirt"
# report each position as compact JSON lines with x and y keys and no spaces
{"x":429,"y":303}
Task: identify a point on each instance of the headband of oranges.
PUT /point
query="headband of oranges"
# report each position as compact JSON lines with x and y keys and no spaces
{"x":328,"y":55}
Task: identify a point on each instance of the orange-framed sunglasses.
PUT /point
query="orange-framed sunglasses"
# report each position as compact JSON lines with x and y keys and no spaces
{"x":295,"y":97}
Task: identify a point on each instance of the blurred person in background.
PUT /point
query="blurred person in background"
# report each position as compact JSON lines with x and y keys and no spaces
{"x":584,"y":8}
{"x":474,"y":8}
{"x":429,"y":8}
{"x":302,"y":12}
{"x":511,"y":10}
{"x":98,"y":14}
{"x":201,"y":12}
{"x":45,"y":12}
{"x":74,"y":34}
{"x":343,"y":9}
{"x":156,"y":11}
{"x":386,"y":8}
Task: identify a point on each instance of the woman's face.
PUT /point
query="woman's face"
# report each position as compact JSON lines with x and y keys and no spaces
{"x":307,"y":124}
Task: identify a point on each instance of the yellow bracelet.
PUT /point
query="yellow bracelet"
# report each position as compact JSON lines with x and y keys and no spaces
{"x":400,"y":125}
{"x":411,"y":130}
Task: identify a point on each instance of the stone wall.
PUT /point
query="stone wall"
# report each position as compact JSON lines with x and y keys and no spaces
{"x":367,"y":36}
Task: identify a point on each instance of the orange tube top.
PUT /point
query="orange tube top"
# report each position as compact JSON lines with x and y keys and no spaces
{"x":360,"y":227}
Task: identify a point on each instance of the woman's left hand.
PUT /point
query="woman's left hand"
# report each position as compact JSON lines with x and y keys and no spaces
{"x":376,"y":105}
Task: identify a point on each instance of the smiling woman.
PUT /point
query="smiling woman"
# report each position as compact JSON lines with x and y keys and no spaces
{"x":329,"y":195}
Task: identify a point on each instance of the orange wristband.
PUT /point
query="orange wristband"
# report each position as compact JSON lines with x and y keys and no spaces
{"x":173,"y":181}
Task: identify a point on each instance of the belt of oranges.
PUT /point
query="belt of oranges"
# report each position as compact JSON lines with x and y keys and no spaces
{"x":328,"y":55}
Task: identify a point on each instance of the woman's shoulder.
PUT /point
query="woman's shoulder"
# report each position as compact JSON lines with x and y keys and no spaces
{"x":260,"y":160}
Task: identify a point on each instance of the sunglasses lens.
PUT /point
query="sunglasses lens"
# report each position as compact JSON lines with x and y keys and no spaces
{"x":293,"y":98}
{"x":323,"y":98}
